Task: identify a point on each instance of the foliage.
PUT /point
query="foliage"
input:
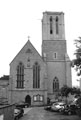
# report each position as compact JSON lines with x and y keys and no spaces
{"x":64,"y":91}
{"x":79,"y":104}
{"x":77,"y":61}
{"x":75,"y":91}
{"x":79,"y":101}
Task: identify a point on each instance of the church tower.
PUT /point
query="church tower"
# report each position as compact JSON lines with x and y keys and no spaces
{"x":53,"y":26}
{"x":54,"y":52}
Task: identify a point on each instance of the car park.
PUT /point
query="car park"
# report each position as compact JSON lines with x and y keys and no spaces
{"x":22,"y":104}
{"x":18,"y":113}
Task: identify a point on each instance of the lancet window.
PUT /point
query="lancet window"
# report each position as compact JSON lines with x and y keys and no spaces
{"x":20,"y":75}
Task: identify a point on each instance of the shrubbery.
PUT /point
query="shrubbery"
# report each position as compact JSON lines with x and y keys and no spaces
{"x":79,"y":104}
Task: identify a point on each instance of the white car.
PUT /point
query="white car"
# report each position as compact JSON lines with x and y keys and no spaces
{"x":57,"y":106}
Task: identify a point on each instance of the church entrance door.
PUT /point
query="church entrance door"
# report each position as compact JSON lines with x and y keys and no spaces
{"x":28,"y":99}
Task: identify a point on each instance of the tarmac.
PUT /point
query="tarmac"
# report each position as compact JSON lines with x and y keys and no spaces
{"x":26,"y":110}
{"x":38,"y":113}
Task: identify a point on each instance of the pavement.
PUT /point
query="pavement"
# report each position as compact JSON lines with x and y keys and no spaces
{"x":26,"y":110}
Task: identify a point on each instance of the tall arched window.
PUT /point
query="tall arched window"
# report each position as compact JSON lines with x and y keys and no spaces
{"x":55,"y":84}
{"x":51,"y":25}
{"x":20,"y":75}
{"x":36,"y":75}
{"x":57,"y":29}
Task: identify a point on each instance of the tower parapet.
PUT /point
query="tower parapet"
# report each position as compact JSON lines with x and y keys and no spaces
{"x":53,"y":27}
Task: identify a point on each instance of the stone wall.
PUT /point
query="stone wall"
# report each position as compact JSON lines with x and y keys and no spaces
{"x":7,"y":112}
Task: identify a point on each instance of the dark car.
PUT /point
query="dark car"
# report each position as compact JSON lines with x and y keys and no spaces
{"x":18,"y":113}
{"x":70,"y":109}
{"x":22,"y":104}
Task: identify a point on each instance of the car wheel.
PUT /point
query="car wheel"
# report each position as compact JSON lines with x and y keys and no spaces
{"x":16,"y":118}
{"x":69,"y":113}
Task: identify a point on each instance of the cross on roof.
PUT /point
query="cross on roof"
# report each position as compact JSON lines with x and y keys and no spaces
{"x":28,"y":37}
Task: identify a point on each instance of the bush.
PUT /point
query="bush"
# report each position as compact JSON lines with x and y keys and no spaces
{"x":79,"y":101}
{"x":79,"y":104}
{"x":79,"y":112}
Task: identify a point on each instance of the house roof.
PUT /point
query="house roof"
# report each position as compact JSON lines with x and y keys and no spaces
{"x":5,"y":77}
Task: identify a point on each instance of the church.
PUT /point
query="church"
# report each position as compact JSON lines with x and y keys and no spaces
{"x":35,"y":77}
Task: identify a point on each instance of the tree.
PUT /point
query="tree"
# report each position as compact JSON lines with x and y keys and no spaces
{"x":77,"y":61}
{"x":78,"y":102}
{"x":77,"y":64}
{"x":65,"y":90}
{"x":75,"y":91}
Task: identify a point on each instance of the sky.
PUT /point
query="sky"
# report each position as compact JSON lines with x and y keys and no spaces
{"x":22,"y":18}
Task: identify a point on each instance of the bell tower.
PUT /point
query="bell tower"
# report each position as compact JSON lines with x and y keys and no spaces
{"x":54,"y":51}
{"x":53,"y":36}
{"x":53,"y":26}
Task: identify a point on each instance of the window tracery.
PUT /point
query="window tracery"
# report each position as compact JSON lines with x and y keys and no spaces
{"x":36,"y":75}
{"x":20,"y":75}
{"x":55,"y":84}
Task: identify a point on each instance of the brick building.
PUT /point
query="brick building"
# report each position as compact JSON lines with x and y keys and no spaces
{"x":35,"y":77}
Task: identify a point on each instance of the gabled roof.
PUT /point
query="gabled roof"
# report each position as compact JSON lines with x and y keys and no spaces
{"x":5,"y":77}
{"x":28,"y":42}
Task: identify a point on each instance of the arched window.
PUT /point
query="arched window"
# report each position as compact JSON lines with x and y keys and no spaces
{"x":57,"y":29}
{"x":20,"y":75}
{"x":55,"y":84}
{"x":51,"y":25}
{"x":36,"y":75}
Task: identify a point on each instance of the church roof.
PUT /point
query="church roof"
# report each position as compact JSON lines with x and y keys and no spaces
{"x":27,"y":43}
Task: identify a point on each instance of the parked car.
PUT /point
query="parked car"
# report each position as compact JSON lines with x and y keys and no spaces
{"x":18,"y":113}
{"x":22,"y":104}
{"x":70,"y":109}
{"x":57,"y":106}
